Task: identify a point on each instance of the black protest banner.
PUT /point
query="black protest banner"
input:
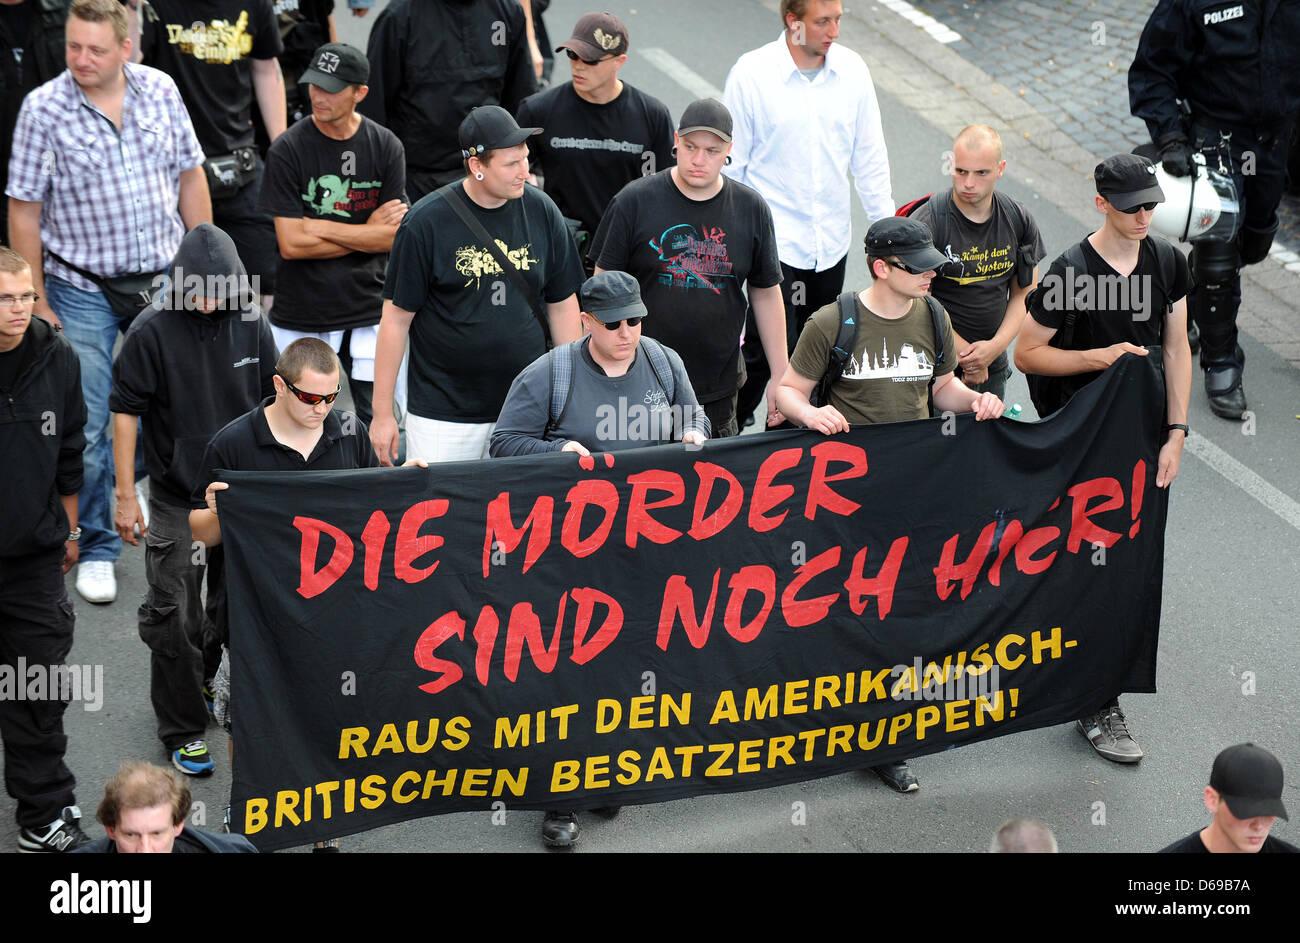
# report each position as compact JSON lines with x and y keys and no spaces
{"x":640,"y":626}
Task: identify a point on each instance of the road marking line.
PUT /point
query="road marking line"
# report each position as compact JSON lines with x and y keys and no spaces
{"x":925,"y":21}
{"x":681,"y":73}
{"x":1238,"y":474}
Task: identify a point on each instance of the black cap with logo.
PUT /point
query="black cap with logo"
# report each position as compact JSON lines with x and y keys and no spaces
{"x":596,"y":36}
{"x":1127,"y":180}
{"x":335,"y":66}
{"x":490,"y":128}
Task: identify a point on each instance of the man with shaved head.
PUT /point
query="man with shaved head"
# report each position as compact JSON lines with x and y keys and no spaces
{"x":993,"y":249}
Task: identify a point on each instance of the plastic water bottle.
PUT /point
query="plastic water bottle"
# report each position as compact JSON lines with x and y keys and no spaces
{"x":1013,"y":411}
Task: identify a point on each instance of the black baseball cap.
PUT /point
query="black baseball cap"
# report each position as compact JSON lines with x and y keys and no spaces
{"x":611,"y":296}
{"x":1127,"y":180}
{"x":335,"y":66}
{"x":490,"y":128}
{"x":596,"y":36}
{"x":907,"y":238}
{"x":1249,"y":779}
{"x":706,"y":114}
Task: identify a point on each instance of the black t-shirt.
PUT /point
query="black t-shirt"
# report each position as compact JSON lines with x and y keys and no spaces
{"x":246,"y":444}
{"x":303,"y":179}
{"x":12,"y":363}
{"x":206,"y":46}
{"x":589,"y":152}
{"x":1109,"y":308}
{"x":1192,"y":845}
{"x":473,"y":331}
{"x":976,"y":284}
{"x":692,"y":258}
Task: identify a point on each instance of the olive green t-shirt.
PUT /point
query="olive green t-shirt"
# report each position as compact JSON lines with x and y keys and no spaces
{"x":887,"y":379}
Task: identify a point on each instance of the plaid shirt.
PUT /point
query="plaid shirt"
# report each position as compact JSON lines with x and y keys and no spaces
{"x":110,"y":200}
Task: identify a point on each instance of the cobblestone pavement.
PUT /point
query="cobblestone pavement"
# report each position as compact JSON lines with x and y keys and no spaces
{"x":1069,"y":60}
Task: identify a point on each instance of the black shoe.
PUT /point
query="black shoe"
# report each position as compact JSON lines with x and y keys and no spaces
{"x":1223,"y":387}
{"x":898,"y":775}
{"x":560,"y":829}
{"x":1193,"y":336}
{"x":63,"y":834}
{"x":607,"y":812}
{"x":1108,"y":733}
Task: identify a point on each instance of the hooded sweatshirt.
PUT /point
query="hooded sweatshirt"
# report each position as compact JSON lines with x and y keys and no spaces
{"x":42,"y":435}
{"x":187,"y":372}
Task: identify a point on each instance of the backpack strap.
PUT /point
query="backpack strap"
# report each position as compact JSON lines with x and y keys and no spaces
{"x":1167,"y":266}
{"x":1077,"y":262}
{"x":936,"y":319}
{"x":560,"y":360}
{"x":659,"y":364}
{"x":845,"y":340}
{"x":1020,"y":227}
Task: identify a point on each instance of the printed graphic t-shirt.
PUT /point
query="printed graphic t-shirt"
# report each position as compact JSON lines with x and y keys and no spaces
{"x":692,"y":258}
{"x":317,"y":177}
{"x":974,"y":287}
{"x":206,"y":47}
{"x":888,"y":377}
{"x":473,"y":331}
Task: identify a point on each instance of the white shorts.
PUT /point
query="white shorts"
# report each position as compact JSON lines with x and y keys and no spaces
{"x":361,"y":347}
{"x":434,"y":440}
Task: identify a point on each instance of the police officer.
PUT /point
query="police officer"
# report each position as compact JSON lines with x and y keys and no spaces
{"x":1234,"y":66}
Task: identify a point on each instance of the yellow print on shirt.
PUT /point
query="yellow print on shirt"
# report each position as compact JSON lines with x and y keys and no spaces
{"x":217,"y":41}
{"x":475,"y":261}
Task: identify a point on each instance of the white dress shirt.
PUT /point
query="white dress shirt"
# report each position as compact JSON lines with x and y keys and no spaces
{"x":795,"y":138}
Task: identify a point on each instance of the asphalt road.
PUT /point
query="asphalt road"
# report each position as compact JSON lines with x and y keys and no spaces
{"x":1229,"y":624}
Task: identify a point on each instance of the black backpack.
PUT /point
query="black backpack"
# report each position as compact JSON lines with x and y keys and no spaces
{"x":846,"y":338}
{"x":1048,"y":394}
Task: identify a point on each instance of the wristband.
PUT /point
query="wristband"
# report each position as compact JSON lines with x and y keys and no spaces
{"x":74,"y":535}
{"x":1178,"y":425}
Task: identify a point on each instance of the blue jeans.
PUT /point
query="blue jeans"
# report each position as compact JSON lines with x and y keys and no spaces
{"x":91,"y":326}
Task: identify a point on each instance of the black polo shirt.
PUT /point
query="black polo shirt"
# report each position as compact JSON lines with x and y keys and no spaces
{"x":246,"y":444}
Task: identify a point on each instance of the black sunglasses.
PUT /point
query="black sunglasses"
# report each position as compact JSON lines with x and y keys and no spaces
{"x":574,"y":57}
{"x":312,"y":399}
{"x":1132,"y":210}
{"x":615,"y":325}
{"x":903,"y":266}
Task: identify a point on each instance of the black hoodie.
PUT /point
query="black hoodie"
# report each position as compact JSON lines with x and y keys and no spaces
{"x":42,"y":434}
{"x":188,"y":373}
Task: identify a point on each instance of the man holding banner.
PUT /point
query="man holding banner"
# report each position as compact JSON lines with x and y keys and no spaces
{"x":623,"y":391}
{"x":1099,"y":296}
{"x":914,"y":364}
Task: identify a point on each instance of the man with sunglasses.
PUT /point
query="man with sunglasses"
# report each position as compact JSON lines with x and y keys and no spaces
{"x":616,"y":400}
{"x":895,"y":365}
{"x":1138,"y":285}
{"x":601,"y":133}
{"x":197,"y":358}
{"x":623,"y":392}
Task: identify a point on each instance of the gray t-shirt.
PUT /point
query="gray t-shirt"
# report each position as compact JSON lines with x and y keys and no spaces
{"x":604,"y":413}
{"x":975,"y":286}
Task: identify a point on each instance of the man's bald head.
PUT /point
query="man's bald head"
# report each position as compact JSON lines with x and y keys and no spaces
{"x":979,"y":137}
{"x":1023,"y":836}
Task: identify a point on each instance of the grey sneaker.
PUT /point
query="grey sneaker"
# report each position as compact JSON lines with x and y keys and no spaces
{"x":1107,"y":731}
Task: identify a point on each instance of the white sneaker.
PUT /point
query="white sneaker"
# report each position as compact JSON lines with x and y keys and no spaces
{"x":142,"y":499}
{"x":96,"y":582}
